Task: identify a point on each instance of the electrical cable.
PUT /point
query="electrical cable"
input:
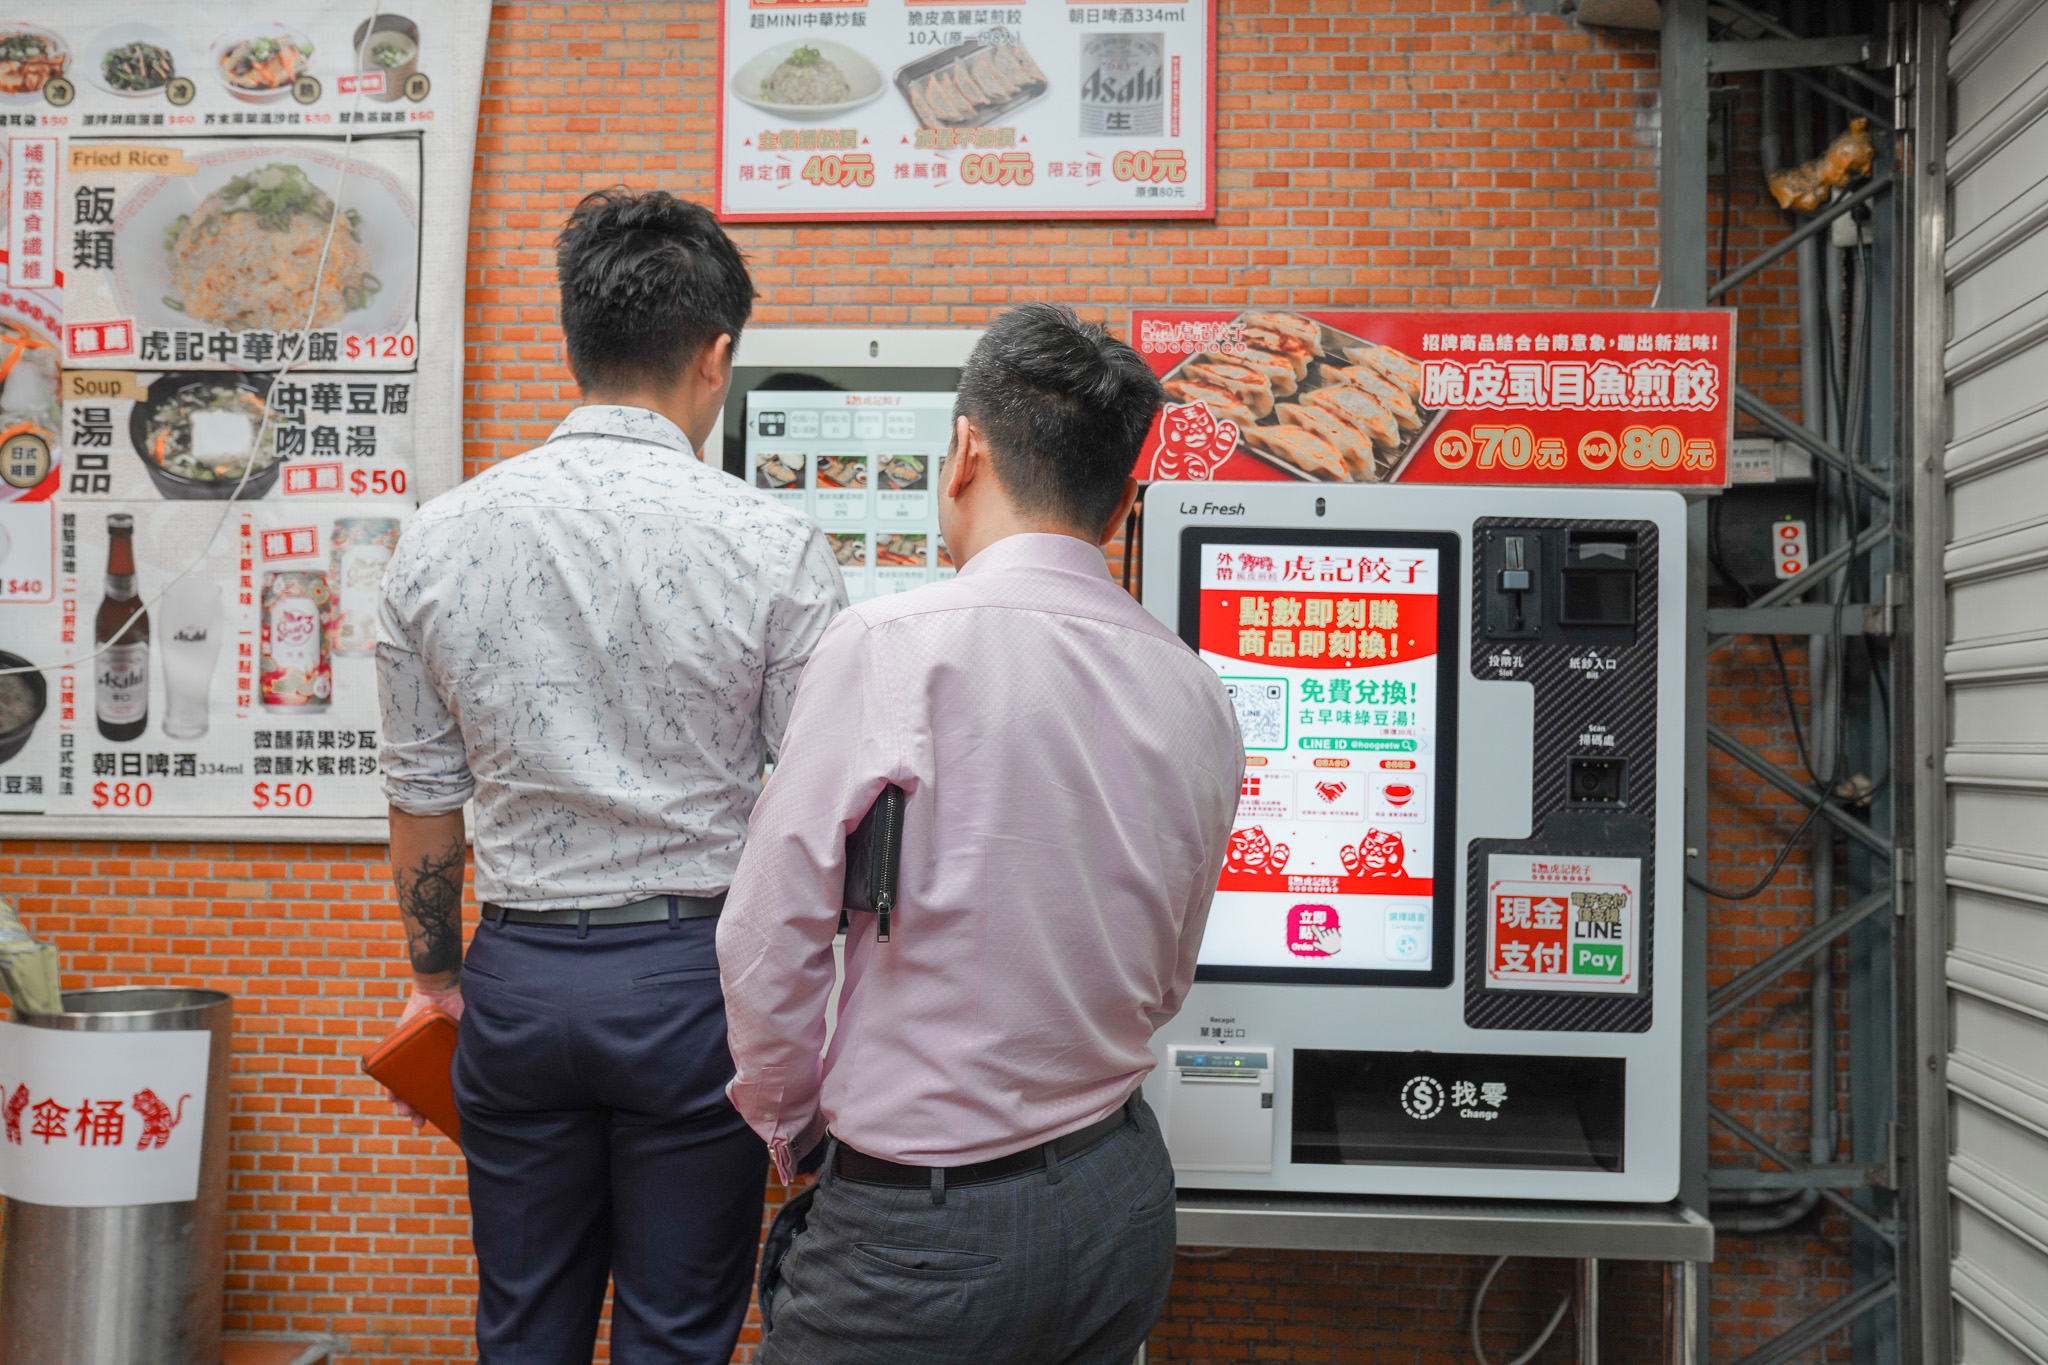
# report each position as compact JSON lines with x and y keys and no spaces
{"x":1791,"y":711}
{"x":1778,"y":863}
{"x":1727,"y":179}
{"x":1542,"y":1338}
{"x":269,"y":422}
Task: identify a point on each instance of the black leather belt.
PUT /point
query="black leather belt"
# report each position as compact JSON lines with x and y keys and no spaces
{"x":652,"y":910}
{"x":872,"y":1170}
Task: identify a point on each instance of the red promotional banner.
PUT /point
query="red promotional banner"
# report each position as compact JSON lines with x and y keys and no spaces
{"x":1609,"y":399}
{"x":1309,"y":630}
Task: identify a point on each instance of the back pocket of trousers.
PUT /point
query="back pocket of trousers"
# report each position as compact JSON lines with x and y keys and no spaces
{"x":929,"y":1263}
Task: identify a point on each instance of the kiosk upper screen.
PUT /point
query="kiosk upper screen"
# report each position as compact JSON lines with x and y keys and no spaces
{"x":863,"y":463}
{"x":1338,"y":651}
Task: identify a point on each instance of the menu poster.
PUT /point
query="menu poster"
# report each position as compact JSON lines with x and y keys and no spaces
{"x":230,"y":325}
{"x":1606,"y":399}
{"x":877,"y":109}
{"x":862,"y":465}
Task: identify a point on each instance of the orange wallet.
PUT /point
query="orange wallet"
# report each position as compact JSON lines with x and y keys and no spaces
{"x":416,"y":1063}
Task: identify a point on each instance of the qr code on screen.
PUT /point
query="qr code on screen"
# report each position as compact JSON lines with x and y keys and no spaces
{"x":1261,"y":712}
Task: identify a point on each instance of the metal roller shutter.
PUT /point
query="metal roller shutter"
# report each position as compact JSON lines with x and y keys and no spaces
{"x":1995,"y":570}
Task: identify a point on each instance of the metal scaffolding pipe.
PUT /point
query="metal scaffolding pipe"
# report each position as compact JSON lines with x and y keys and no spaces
{"x":1810,"y":1332}
{"x":1798,"y":791}
{"x":1808,"y":230}
{"x":1770,"y":25}
{"x":1832,"y":96}
{"x":1794,"y":431}
{"x":1746,"y":1134}
{"x":1833,"y":562}
{"x":1732,"y":996}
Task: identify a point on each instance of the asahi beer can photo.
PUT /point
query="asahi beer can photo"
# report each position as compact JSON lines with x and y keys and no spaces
{"x":298,"y":673}
{"x":1123,"y":85}
{"x":362,"y":549}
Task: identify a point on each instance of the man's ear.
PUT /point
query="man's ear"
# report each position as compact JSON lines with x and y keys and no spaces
{"x":1123,"y":511}
{"x":963,"y":465}
{"x":715,"y":360}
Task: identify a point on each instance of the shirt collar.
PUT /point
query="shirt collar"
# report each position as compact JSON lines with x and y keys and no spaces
{"x":632,"y":424}
{"x":1039,"y":550}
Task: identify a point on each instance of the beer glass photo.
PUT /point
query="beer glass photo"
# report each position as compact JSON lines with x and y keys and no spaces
{"x":189,"y":622}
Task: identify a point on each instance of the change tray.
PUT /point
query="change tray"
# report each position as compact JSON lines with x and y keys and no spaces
{"x":984,"y":116}
{"x":1333,"y":340}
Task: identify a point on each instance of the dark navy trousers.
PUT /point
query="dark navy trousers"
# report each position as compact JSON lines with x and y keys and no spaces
{"x":590,"y":1075}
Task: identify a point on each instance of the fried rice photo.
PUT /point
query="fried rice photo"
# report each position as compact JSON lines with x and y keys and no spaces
{"x":807,"y":76}
{"x":245,"y":257}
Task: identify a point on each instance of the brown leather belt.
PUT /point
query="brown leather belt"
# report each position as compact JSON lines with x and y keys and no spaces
{"x":872,"y":1170}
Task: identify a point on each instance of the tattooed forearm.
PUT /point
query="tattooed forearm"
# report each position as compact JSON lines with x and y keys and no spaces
{"x":427,"y":862}
{"x":430,"y":898}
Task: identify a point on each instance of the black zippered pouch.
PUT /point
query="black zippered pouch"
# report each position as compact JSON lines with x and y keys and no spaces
{"x":874,"y":853}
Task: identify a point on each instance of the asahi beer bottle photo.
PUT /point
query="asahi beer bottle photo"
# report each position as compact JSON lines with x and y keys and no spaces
{"x":1123,"y":85}
{"x":121,"y":678}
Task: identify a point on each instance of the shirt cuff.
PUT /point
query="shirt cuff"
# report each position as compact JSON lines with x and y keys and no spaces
{"x":759,"y":1102}
{"x":428,"y":795}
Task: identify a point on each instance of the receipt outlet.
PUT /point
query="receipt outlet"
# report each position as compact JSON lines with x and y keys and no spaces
{"x":1219,"y":1109}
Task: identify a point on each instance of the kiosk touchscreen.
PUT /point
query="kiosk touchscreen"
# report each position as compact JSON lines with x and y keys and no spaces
{"x":849,"y":427}
{"x":1328,"y":643}
{"x":1442,"y":954}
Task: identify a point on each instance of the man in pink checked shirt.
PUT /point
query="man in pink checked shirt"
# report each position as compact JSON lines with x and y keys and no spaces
{"x":994,"y":1188}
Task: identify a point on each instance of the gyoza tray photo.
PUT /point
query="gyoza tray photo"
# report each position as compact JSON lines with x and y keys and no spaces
{"x":971,"y":85}
{"x":1312,"y":401}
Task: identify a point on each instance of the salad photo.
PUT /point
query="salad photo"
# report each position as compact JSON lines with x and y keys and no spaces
{"x":260,"y":64}
{"x":137,"y":68}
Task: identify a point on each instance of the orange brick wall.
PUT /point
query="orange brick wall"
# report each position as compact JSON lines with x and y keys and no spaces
{"x":1375,"y":153}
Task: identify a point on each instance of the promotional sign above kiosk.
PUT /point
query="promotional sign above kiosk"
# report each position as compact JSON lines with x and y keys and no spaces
{"x":840,"y":110}
{"x":1607,"y":399}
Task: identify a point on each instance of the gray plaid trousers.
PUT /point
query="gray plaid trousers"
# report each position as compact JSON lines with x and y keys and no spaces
{"x":1068,"y":1265}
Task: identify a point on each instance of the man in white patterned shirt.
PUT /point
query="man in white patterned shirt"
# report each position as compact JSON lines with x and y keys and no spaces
{"x":599,"y":641}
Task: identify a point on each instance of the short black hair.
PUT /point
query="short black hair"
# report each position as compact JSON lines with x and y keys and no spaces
{"x":1064,"y":406}
{"x":648,"y":280}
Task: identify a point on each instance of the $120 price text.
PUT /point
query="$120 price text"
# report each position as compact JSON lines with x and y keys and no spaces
{"x":380,"y":346}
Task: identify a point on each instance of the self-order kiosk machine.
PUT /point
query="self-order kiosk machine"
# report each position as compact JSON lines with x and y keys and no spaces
{"x":1444,"y":953}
